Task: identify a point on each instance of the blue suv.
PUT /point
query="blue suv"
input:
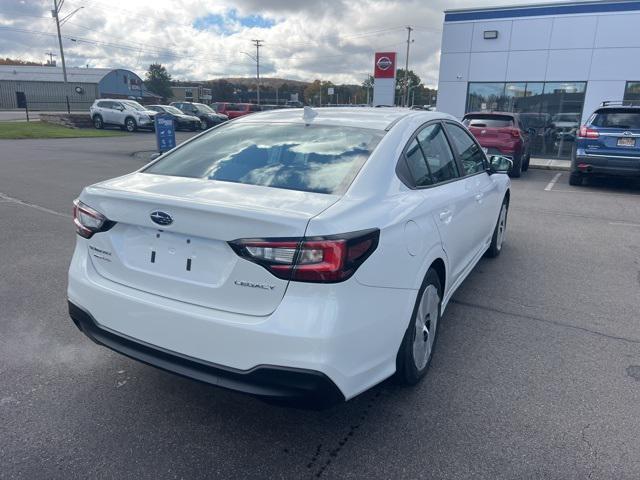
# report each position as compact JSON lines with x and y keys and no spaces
{"x":608,"y":144}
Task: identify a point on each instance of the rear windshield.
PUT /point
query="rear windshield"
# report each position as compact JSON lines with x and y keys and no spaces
{"x":490,"y":121}
{"x":308,"y":158}
{"x":617,"y":118}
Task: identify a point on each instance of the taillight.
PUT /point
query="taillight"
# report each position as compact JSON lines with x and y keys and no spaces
{"x":89,"y":221}
{"x":586,"y":132}
{"x":327,"y":259}
{"x":515,"y":133}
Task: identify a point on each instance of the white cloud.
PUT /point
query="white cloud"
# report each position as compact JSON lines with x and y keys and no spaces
{"x":329,"y":39}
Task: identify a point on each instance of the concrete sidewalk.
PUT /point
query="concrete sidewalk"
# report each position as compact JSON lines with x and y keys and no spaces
{"x":550,"y":164}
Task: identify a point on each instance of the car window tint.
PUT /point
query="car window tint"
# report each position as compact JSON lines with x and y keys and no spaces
{"x":627,"y":119}
{"x":310,"y":158}
{"x":417,"y":165}
{"x":488,"y":121}
{"x":470,"y":154}
{"x":438,"y":154}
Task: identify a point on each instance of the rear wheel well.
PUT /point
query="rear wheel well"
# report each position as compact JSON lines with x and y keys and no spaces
{"x":438,"y":266}
{"x":507,"y":196}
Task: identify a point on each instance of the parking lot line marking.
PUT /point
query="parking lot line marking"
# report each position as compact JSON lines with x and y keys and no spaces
{"x":9,"y":199}
{"x":625,"y":224}
{"x":552,"y":182}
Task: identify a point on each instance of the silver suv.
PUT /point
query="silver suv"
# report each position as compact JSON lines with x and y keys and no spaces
{"x":129,"y":115}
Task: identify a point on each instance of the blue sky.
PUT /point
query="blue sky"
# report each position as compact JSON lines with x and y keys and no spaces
{"x":231,"y":22}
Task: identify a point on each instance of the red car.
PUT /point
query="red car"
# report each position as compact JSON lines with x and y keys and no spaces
{"x":233,"y":110}
{"x":502,"y":133}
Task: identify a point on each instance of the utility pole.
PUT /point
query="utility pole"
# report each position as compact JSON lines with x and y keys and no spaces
{"x":258,"y":44}
{"x":51,"y":55}
{"x":56,"y":14}
{"x":405,"y":96}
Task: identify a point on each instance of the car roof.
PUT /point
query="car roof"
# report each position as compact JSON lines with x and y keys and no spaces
{"x":363,"y":117}
{"x":508,"y":114}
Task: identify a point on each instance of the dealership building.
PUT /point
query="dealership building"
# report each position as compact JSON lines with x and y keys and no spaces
{"x":552,"y":63}
{"x":45,"y":88}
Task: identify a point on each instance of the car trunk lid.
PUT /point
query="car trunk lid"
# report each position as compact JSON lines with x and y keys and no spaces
{"x":189,"y":259}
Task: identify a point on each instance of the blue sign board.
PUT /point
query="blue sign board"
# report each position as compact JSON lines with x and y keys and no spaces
{"x":165,"y":132}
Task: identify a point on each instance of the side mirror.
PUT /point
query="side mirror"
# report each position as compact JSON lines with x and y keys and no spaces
{"x":500,"y":164}
{"x":532,"y":131}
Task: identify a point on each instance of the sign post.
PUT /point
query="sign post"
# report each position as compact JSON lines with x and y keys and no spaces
{"x":384,"y":73}
{"x":165,"y":132}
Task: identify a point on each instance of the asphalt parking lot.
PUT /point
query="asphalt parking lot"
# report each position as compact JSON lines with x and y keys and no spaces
{"x":536,"y":373}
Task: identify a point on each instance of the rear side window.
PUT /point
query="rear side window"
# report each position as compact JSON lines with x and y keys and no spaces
{"x":488,"y":121}
{"x":437,"y":152}
{"x":309,"y":158}
{"x":627,"y":119}
{"x":471,"y":156}
{"x":417,"y":165}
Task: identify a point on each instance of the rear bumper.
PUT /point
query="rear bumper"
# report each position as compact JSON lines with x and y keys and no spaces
{"x":265,"y":381}
{"x":348,"y":332}
{"x":605,"y":165}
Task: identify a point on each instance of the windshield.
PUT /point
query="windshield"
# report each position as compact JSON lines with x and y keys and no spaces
{"x":170,"y":109}
{"x":309,"y":158}
{"x":618,"y":118}
{"x":488,"y":121}
{"x":203,"y":108}
{"x":133,"y":105}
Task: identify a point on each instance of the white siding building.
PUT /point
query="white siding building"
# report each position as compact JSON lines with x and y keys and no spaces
{"x":553,"y":63}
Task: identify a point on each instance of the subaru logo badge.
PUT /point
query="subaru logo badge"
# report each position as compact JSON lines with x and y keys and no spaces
{"x":161,"y":218}
{"x":627,"y":134}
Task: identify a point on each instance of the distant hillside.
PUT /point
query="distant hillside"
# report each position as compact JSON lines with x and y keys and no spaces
{"x":265,"y":81}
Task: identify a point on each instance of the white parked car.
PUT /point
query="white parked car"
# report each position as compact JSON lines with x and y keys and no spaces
{"x":304,"y":254}
{"x":126,"y":114}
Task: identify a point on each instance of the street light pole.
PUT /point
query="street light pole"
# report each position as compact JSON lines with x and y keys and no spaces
{"x":258,"y":44}
{"x":405,"y":97}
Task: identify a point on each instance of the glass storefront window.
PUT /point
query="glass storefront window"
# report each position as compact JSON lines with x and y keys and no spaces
{"x":484,"y":96}
{"x":552,"y":109}
{"x":632,"y":92}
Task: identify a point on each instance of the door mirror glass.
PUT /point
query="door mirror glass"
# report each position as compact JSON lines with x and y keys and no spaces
{"x":500,"y":164}
{"x":532,"y":131}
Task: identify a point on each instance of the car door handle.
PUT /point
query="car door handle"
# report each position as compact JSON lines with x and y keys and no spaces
{"x":479,"y":197}
{"x":445,"y":216}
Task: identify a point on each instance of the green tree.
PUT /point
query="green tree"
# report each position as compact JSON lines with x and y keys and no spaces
{"x":401,"y":80}
{"x":158,"y":81}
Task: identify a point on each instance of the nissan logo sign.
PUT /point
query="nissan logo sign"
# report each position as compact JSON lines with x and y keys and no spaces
{"x":384,"y":63}
{"x":161,"y":218}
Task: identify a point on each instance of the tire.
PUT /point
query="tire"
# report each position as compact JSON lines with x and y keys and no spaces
{"x":525,"y":167}
{"x":516,"y":171}
{"x":97,"y":122}
{"x":499,"y":232}
{"x":194,"y":127}
{"x":130,"y":125}
{"x":415,"y":353}
{"x":575,"y":179}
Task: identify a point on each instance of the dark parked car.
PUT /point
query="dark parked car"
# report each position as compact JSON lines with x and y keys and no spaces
{"x":608,"y":144}
{"x":502,"y":133}
{"x":208,"y":116}
{"x":180,"y":120}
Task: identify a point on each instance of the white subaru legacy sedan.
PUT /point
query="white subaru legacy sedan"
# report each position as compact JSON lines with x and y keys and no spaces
{"x":291,"y":254}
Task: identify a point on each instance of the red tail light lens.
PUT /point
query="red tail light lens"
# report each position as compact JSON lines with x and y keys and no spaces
{"x":316,"y":259}
{"x":515,"y":133}
{"x":586,"y":132}
{"x":89,"y":221}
